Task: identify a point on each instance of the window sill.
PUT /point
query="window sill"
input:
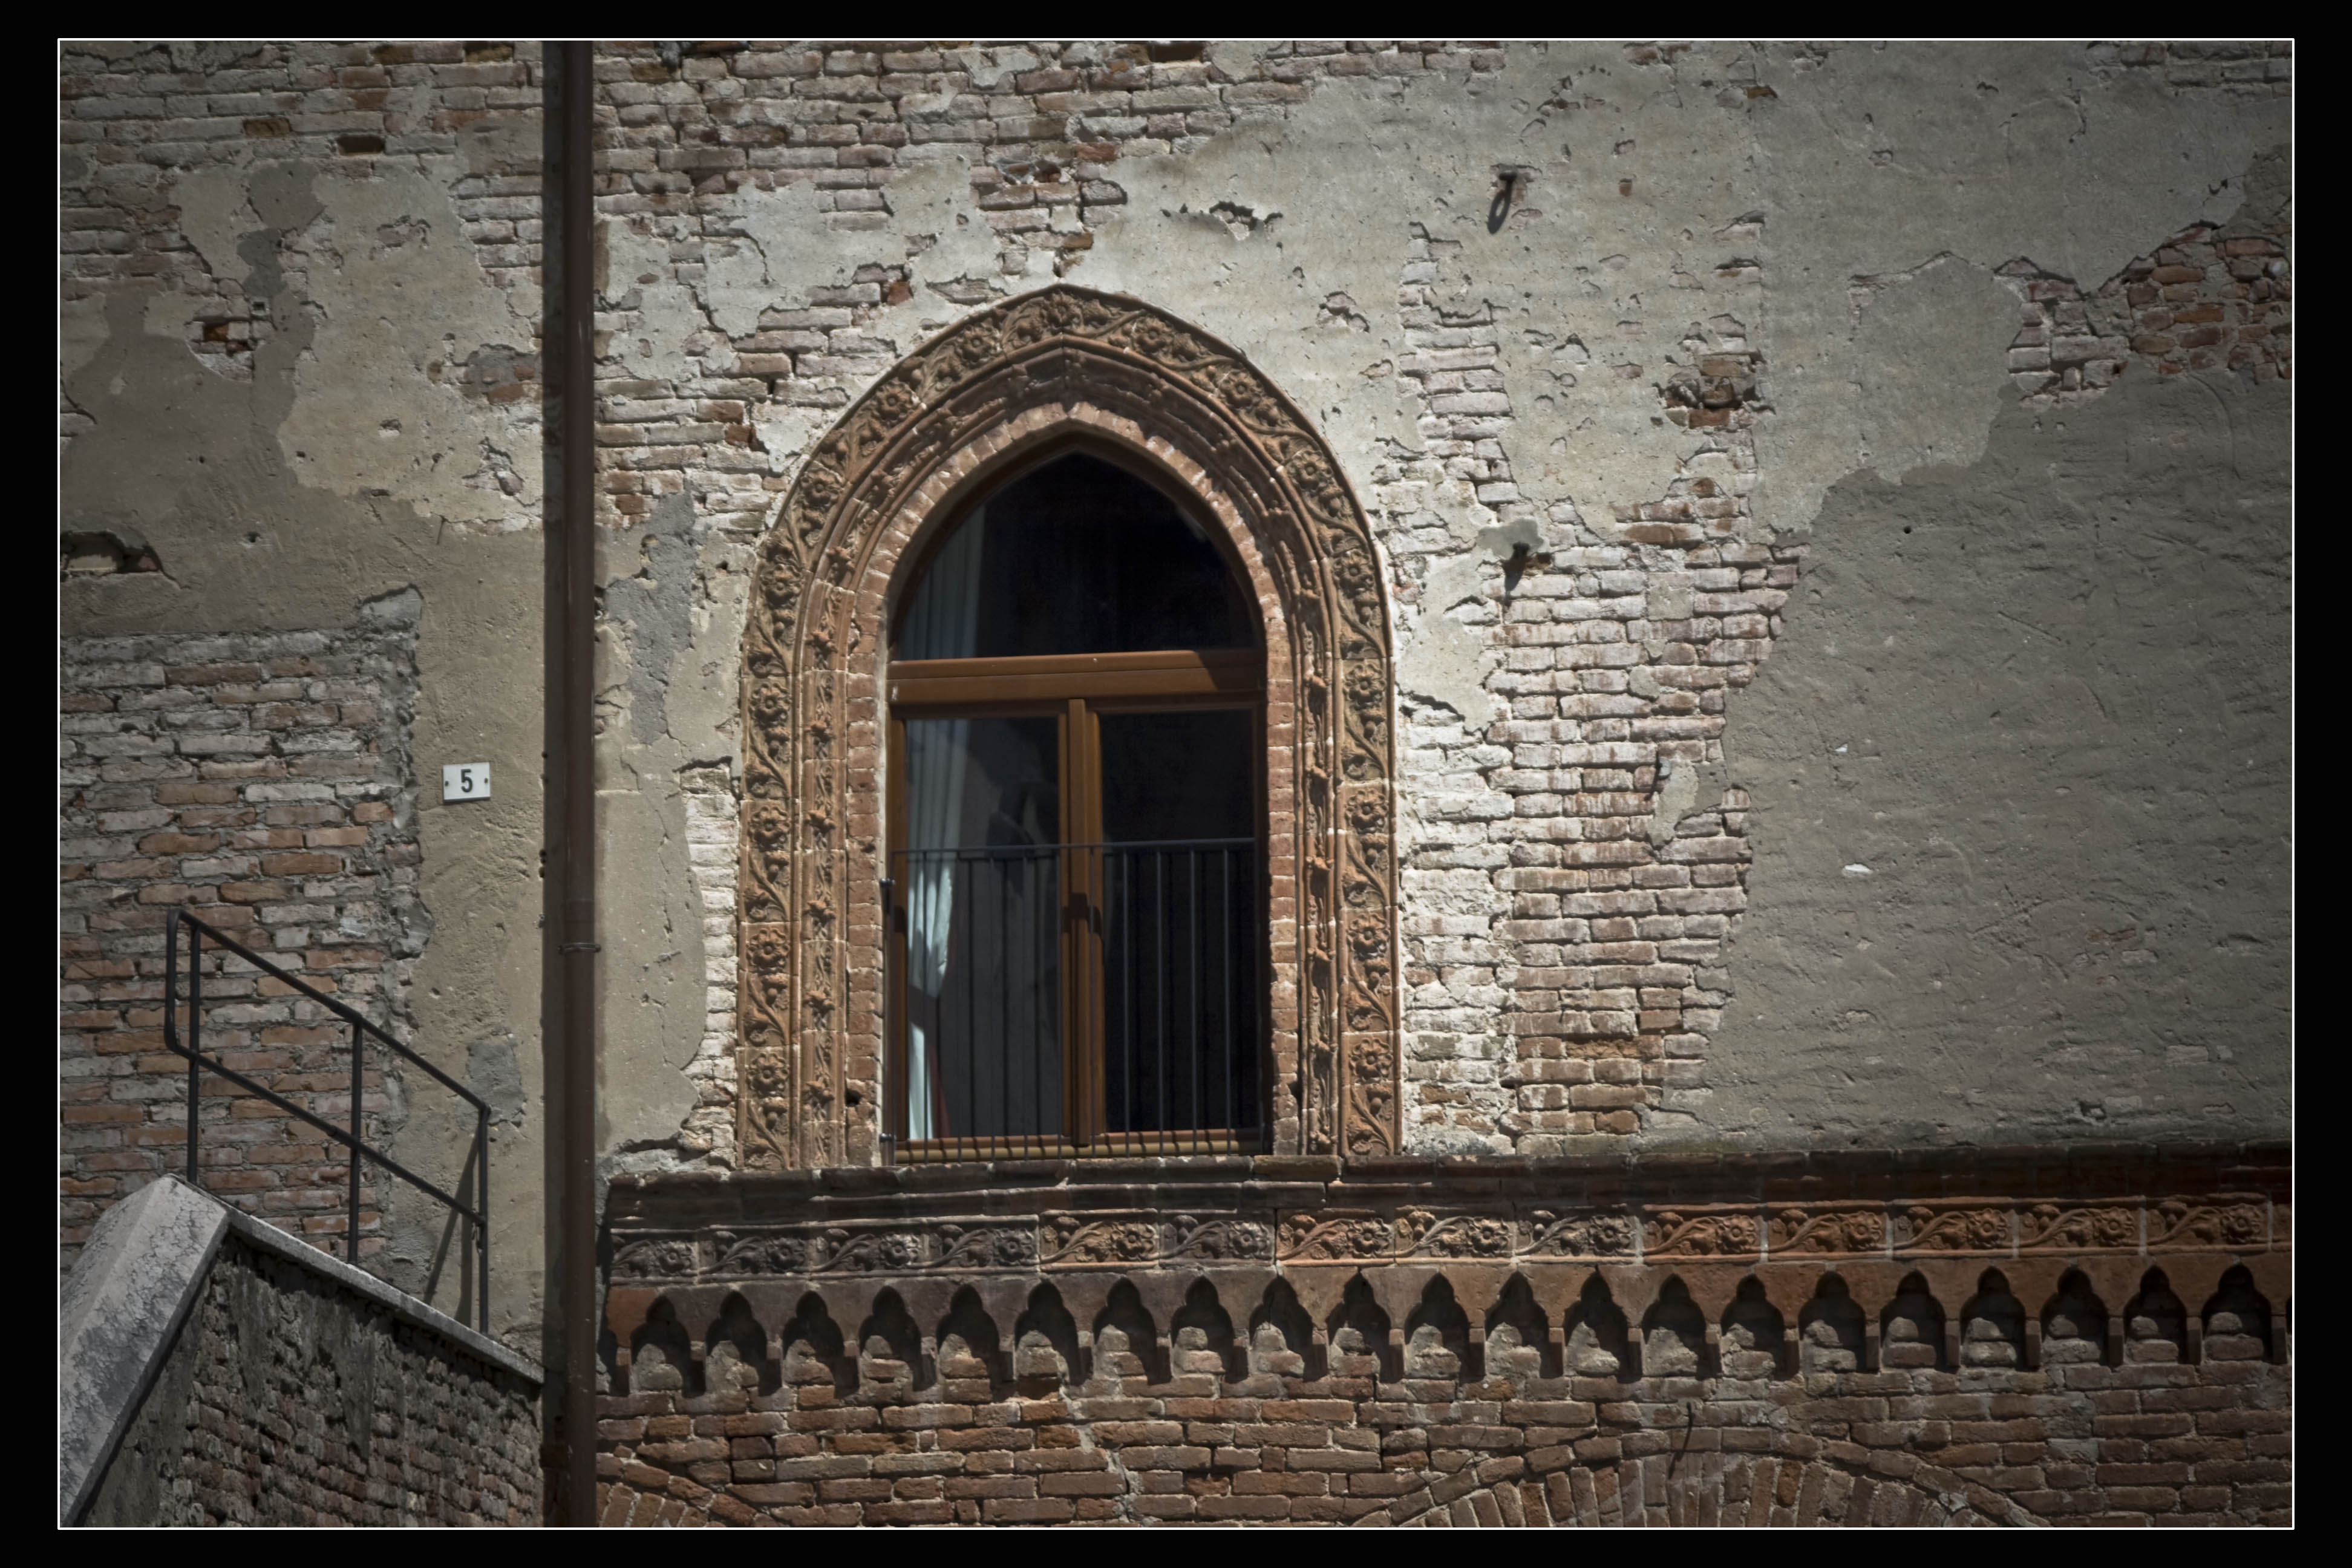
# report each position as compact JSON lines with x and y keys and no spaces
{"x":1110,"y":1146}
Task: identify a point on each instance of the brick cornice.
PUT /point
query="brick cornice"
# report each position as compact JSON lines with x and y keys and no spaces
{"x":2090,"y":1170}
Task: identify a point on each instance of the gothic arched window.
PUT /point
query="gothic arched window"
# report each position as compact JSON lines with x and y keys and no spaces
{"x":1076,"y":875}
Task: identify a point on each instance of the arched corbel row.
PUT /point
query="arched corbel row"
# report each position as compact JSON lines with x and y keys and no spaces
{"x":987,"y":1336}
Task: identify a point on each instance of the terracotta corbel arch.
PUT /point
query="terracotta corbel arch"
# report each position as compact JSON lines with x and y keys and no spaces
{"x":1036,"y":369}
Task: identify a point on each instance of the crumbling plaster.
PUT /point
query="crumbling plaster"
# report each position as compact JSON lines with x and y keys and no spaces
{"x":349,"y":464}
{"x":1920,"y":169}
{"x":1838,"y":212}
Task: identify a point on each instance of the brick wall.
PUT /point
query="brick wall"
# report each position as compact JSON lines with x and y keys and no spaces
{"x":2149,"y":1442}
{"x":136,"y":117}
{"x":1564,"y":910}
{"x":262,"y":782}
{"x":1868,"y":1337}
{"x":1565,"y":904}
{"x":288,"y":1399}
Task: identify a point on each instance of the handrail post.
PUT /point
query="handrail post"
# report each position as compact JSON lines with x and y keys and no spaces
{"x":359,"y":1082}
{"x":195,"y":1036}
{"x":172,"y":1026}
{"x":482,"y":1226}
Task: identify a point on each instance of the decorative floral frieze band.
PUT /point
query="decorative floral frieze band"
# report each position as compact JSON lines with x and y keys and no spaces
{"x":1517,"y":1234}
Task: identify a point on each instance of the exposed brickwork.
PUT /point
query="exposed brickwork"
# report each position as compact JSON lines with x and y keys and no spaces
{"x":1598,"y":1016}
{"x":2212,"y":296}
{"x":1042,"y":126}
{"x":288,"y":1401}
{"x":263,"y":782}
{"x":1419,"y":1343}
{"x":1561,"y":923}
{"x":139,"y":116}
{"x":2079,"y":1443}
{"x":1571,"y":867}
{"x":1562,"y":941}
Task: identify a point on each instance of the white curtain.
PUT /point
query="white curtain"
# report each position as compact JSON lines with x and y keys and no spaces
{"x":942,"y":622}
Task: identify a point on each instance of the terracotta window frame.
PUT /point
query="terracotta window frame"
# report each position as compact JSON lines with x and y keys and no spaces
{"x":993,"y":392}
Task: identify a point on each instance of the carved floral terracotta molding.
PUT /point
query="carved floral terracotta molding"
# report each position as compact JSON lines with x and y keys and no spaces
{"x":1138,"y":1237}
{"x":1061,"y":363}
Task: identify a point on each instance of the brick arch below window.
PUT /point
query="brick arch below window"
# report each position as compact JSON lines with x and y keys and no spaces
{"x":1062,"y":365}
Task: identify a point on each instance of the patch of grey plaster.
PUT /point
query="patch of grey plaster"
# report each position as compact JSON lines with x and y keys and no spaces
{"x":668,"y":318}
{"x":284,"y":196}
{"x":662,"y":678}
{"x":215,"y":216}
{"x":82,"y":331}
{"x":1681,"y":787}
{"x":650,"y":612}
{"x":494,"y":1072}
{"x":931,"y":202}
{"x":1930,"y":357}
{"x":402,"y":608}
{"x":2018,"y":779}
{"x":400,"y":301}
{"x":653,"y":975}
{"x":1447,"y":653}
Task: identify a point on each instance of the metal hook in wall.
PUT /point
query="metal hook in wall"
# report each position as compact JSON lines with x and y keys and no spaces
{"x":1506,"y":191}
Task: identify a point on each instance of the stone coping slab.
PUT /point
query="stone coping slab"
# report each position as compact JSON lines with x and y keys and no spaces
{"x":141,"y":1271}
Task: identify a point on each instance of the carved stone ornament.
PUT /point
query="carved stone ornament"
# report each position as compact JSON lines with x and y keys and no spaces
{"x":1066,"y":363}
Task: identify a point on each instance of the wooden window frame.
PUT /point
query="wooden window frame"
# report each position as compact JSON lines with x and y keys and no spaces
{"x":1077,"y":688}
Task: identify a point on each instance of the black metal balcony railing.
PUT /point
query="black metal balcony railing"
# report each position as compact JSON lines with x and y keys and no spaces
{"x":354,"y":1139}
{"x":1167,"y":1011}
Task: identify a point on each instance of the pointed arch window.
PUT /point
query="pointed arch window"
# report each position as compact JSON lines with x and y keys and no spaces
{"x":1076,"y":894}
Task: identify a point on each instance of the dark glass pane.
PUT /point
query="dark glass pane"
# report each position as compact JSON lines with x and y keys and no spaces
{"x":1186,"y":775}
{"x":1079,"y":556}
{"x":983,"y":873}
{"x":1183,"y":930}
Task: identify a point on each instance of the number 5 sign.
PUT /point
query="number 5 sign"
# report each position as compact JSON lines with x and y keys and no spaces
{"x":466,"y":780}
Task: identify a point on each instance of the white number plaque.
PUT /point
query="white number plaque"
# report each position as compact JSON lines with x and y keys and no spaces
{"x":466,"y":780}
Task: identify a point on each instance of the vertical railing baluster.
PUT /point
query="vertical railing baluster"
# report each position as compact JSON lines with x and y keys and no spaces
{"x":1127,"y":991}
{"x":1081,"y":1039}
{"x":358,"y":1067}
{"x":1004,"y":1003}
{"x":1199,"y":1107}
{"x":1159,"y":1029}
{"x":961,"y":892}
{"x":1225,"y":976}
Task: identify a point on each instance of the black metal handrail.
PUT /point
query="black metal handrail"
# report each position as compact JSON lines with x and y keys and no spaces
{"x":479,"y":1215}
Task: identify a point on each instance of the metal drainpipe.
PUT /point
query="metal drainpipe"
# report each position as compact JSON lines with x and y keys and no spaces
{"x":576,"y":857}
